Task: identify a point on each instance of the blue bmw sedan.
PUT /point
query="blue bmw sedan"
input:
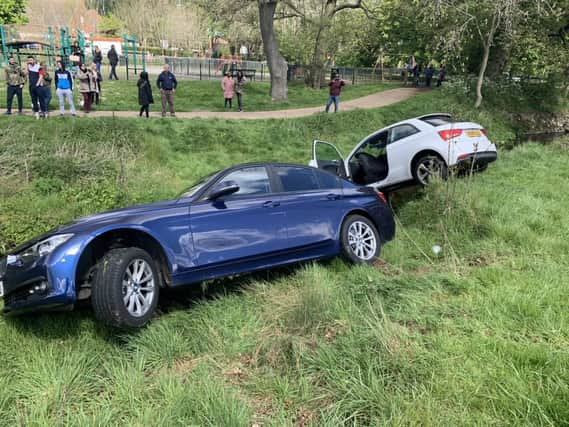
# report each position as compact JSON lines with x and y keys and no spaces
{"x":241,"y":219}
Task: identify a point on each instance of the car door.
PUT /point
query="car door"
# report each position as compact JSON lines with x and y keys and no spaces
{"x":402,"y":145}
{"x":327,"y":157}
{"x":312,"y":202}
{"x":245,"y":224}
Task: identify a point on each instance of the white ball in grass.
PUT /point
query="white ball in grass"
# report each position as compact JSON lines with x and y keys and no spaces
{"x":436,"y":249}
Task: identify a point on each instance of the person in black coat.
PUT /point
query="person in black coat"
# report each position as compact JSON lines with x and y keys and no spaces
{"x":144,"y":93}
{"x":113,"y":60}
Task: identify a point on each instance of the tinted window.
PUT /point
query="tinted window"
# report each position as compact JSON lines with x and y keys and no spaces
{"x":254,"y":180}
{"x":402,"y":131}
{"x":297,"y":179}
{"x":326,"y":180}
{"x":437,"y":120}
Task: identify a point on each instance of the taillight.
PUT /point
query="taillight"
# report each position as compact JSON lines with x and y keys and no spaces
{"x":449,"y":134}
{"x":381,"y":196}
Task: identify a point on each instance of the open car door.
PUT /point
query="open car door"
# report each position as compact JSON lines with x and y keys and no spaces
{"x":327,"y":157}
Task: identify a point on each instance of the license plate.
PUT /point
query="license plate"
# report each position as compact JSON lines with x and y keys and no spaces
{"x":473,"y":133}
{"x":1,"y":289}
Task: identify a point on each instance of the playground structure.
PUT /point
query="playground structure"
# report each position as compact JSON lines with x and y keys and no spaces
{"x":46,"y":46}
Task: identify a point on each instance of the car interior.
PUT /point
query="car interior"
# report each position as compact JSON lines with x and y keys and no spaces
{"x":369,"y":163}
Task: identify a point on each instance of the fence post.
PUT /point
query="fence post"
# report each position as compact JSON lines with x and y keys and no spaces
{"x":262,"y":71}
{"x":200,"y":70}
{"x":209,"y":69}
{"x":188,"y":66}
{"x":353,"y":76}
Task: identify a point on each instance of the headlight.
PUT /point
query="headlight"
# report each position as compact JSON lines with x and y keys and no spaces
{"x":45,"y":246}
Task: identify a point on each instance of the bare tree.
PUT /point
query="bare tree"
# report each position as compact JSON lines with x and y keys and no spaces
{"x":276,"y":62}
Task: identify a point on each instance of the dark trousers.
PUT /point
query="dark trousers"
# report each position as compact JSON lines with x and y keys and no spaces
{"x":86,"y":101}
{"x":144,"y":109}
{"x":228,"y":101}
{"x":240,"y":101}
{"x":113,"y":72}
{"x":35,"y":94}
{"x":44,"y":98}
{"x":14,"y":91}
{"x":428,"y":81}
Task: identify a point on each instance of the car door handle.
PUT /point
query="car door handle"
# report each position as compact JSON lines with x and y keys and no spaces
{"x":333,"y":196}
{"x":271,"y":204}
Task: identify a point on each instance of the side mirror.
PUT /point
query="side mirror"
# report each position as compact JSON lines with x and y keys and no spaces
{"x":224,"y":188}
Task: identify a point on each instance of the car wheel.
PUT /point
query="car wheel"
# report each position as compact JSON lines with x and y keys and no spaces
{"x":360,"y":240}
{"x":429,"y":166}
{"x":125,"y":289}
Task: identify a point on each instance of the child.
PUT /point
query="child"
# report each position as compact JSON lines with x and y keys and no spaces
{"x":228,"y":86}
{"x":144,"y":94}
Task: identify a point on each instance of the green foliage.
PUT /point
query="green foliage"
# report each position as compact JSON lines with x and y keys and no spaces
{"x":111,"y":25}
{"x":13,"y":12}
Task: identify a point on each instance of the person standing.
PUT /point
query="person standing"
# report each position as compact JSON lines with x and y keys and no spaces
{"x":144,"y":94}
{"x":335,"y":89}
{"x":96,"y":89}
{"x":44,"y":89}
{"x":98,"y":58}
{"x":239,"y":83}
{"x":15,"y":80}
{"x":33,"y":77}
{"x":113,"y":60}
{"x":228,"y":86}
{"x":442,"y":76}
{"x":64,"y":88}
{"x":429,"y":72}
{"x":167,"y":84}
{"x":85,"y":77}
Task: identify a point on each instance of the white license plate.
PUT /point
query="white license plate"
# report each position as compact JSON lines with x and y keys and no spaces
{"x":1,"y":289}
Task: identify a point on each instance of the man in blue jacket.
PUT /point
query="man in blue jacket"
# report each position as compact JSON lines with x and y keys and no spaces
{"x":167,"y":84}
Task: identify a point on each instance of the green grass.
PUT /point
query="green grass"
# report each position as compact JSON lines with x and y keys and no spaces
{"x":475,"y":336}
{"x":195,"y":95}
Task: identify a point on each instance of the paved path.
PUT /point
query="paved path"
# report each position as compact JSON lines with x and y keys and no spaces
{"x":375,"y":100}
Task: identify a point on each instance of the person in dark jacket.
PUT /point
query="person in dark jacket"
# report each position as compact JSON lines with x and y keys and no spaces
{"x":33,"y":77}
{"x":98,"y":58}
{"x":144,"y":94}
{"x":15,"y":80}
{"x":167,"y":84}
{"x":64,"y":88}
{"x":335,"y":89}
{"x":44,"y":88}
{"x":113,"y":60}
{"x":429,"y":72}
{"x":442,"y":76}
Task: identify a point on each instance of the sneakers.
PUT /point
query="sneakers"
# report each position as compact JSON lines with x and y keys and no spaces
{"x":8,"y":113}
{"x":172,"y":114}
{"x":163,"y":114}
{"x":37,"y":116}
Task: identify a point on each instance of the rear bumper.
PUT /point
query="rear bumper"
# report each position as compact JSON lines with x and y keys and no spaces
{"x":480,"y":158}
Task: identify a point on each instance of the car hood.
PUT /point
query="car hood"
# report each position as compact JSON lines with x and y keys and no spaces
{"x":89,"y":223}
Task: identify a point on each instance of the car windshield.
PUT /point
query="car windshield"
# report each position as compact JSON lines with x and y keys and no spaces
{"x":198,"y":185}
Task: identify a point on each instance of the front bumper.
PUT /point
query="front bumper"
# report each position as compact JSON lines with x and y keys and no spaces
{"x":479,"y":158}
{"x":43,"y":283}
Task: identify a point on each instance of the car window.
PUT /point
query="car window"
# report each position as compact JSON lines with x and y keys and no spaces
{"x":252,"y":180}
{"x":198,"y":185}
{"x":401,"y":131}
{"x":297,"y":178}
{"x":327,"y":180}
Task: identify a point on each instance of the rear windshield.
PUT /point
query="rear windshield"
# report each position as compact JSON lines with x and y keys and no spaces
{"x":437,"y":120}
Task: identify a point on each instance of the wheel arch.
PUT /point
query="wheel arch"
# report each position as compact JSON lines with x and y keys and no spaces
{"x":122,"y":237}
{"x":422,"y":153}
{"x":358,"y":211}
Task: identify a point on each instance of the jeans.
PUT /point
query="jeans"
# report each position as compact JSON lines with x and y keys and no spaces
{"x":113,"y":72}
{"x":98,"y":66}
{"x":35,"y":94}
{"x":167,"y":99}
{"x":44,"y":98}
{"x":240,"y":101}
{"x":67,"y":94}
{"x":228,"y":101}
{"x":86,"y":101}
{"x":14,"y":91}
{"x":335,"y":100}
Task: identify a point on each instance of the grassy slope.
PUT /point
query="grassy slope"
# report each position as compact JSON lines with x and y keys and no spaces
{"x":195,"y":95}
{"x":476,"y":336}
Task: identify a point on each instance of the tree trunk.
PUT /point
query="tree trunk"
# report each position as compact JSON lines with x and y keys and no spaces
{"x":319,"y":62}
{"x":481,"y":75}
{"x":275,"y":61}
